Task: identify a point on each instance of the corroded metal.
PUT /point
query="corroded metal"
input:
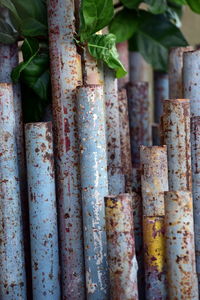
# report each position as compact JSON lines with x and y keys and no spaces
{"x":92,"y":69}
{"x":191,"y":79}
{"x":122,"y":49}
{"x":115,"y":177}
{"x":161,"y":92}
{"x":154,"y":258}
{"x":176,"y":72}
{"x":176,"y":135}
{"x":195,"y":149}
{"x":94,"y":186}
{"x":12,"y":266}
{"x":137,"y":67}
{"x":65,"y":78}
{"x":180,"y":253}
{"x":42,"y":211}
{"x":125,"y":139}
{"x":121,"y":247}
{"x":154,"y":179}
{"x":139,"y":118}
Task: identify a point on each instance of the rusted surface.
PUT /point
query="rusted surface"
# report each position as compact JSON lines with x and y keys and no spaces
{"x":65,"y":78}
{"x":125,"y":139}
{"x":154,"y":258}
{"x":195,"y":149}
{"x":42,"y":211}
{"x":121,"y":247}
{"x":94,"y":187}
{"x":137,"y":66}
{"x":191,"y":79}
{"x":180,"y":253}
{"x":12,"y":266}
{"x":161,"y":93}
{"x":139,"y":118}
{"x":115,"y":178}
{"x":176,"y":135}
{"x":176,"y":72}
{"x":122,"y":49}
{"x":154,"y":179}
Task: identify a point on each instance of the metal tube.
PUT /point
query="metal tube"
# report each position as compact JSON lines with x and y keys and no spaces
{"x":12,"y":275}
{"x":92,"y":69}
{"x":176,"y":135}
{"x":139,"y":118}
{"x":154,"y":179}
{"x":94,"y":184}
{"x":191,"y":80}
{"x":125,"y":139}
{"x":42,"y":211}
{"x":65,"y":78}
{"x":156,"y":134}
{"x":122,"y":49}
{"x":195,"y":149}
{"x":161,"y":93}
{"x":121,"y":247}
{"x":180,"y":253}
{"x":116,"y":183}
{"x":137,"y":67}
{"x":154,"y":258}
{"x":176,"y":72}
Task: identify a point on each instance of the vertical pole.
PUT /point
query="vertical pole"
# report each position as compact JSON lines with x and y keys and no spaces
{"x":195,"y":149}
{"x":139,"y":118}
{"x":125,"y":139}
{"x":122,"y":49}
{"x":115,"y":177}
{"x":42,"y":211}
{"x":64,"y":76}
{"x":176,"y":72}
{"x":121,"y":247}
{"x":180,"y":253}
{"x":94,"y":183}
{"x":161,"y":93}
{"x":176,"y":135}
{"x":12,"y":275}
{"x":191,"y":65}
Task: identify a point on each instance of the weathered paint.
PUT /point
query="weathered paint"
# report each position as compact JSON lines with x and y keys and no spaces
{"x":137,"y":66}
{"x":176,"y":72}
{"x":154,"y":179}
{"x":12,"y":266}
{"x":42,"y":211}
{"x":115,"y":178}
{"x":161,"y":92}
{"x":121,"y":247}
{"x":65,"y":78}
{"x":94,"y":186}
{"x":191,"y":80}
{"x":139,"y":118}
{"x":122,"y":49}
{"x":125,"y":139}
{"x":180,"y":253}
{"x":154,"y":258}
{"x":176,"y":135}
{"x":92,"y":69}
{"x":195,"y":149}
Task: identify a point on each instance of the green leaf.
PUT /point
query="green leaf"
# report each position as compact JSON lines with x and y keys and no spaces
{"x":7,"y":34}
{"x":131,"y":3}
{"x":173,"y":17}
{"x":157,"y":6}
{"x":103,"y":47}
{"x":124,"y":24}
{"x":194,"y":5}
{"x":180,"y":2}
{"x":29,"y":47}
{"x":32,"y":27}
{"x":10,"y":6}
{"x":155,"y":36}
{"x":94,"y":16}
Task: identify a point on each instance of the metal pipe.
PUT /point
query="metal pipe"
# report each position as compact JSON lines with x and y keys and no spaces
{"x":122,"y":49}
{"x":125,"y":139}
{"x":154,"y":257}
{"x":116,"y":183}
{"x":191,"y":80}
{"x":94,"y":186}
{"x":176,"y":72}
{"x":65,"y":78}
{"x":12,"y":265}
{"x":176,"y":135}
{"x":161,"y":92}
{"x":92,"y":69}
{"x":42,"y":211}
{"x":154,"y":179}
{"x":180,"y":253}
{"x":139,"y":118}
{"x":195,"y":149}
{"x":121,"y":247}
{"x":156,"y":134}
